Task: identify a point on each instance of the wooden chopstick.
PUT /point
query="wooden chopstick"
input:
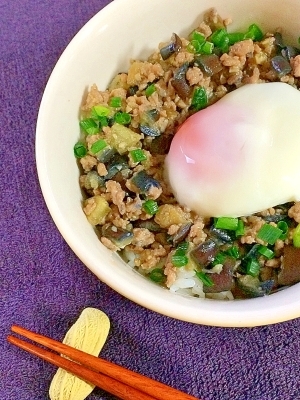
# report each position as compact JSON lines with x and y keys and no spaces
{"x":119,"y":381}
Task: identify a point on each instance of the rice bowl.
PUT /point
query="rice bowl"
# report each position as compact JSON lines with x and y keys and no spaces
{"x":61,"y":190}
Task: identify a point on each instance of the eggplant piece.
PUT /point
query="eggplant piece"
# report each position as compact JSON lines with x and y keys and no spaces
{"x":224,"y":280}
{"x":281,"y":66}
{"x":182,"y":233}
{"x":118,"y":236}
{"x":222,"y":235}
{"x":209,"y":63}
{"x":116,"y":164}
{"x":144,"y":182}
{"x":275,"y":218}
{"x":106,"y":154}
{"x":150,"y":131}
{"x":278,"y":42}
{"x":204,"y":253}
{"x":289,"y":52}
{"x":132,"y":90}
{"x":173,"y":47}
{"x":180,"y":83}
{"x":253,"y":287}
{"x":93,"y":180}
{"x":151,"y":225}
{"x":290,"y":268}
{"x":161,"y":144}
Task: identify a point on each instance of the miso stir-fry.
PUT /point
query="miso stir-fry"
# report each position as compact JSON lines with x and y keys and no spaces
{"x":126,"y":134}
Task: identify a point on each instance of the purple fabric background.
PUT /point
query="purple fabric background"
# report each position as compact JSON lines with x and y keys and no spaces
{"x":44,"y":287}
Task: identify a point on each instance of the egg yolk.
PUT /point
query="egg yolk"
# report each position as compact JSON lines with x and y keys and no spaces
{"x":240,"y":155}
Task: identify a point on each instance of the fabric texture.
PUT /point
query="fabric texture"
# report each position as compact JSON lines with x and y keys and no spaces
{"x":44,"y":286}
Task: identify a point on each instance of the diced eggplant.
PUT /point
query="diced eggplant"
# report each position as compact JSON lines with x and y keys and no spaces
{"x":180,"y":83}
{"x":275,"y":218}
{"x":172,"y":47}
{"x":209,"y":63}
{"x":204,"y":253}
{"x":151,"y":225}
{"x":152,"y":131}
{"x":281,"y":66}
{"x":278,"y":42}
{"x":116,"y":164}
{"x":289,"y":52}
{"x":144,"y":182}
{"x":224,"y":280}
{"x":222,"y":235}
{"x":93,"y":180}
{"x":253,"y":287}
{"x":290,"y":268}
{"x":161,"y":144}
{"x":182,"y":233}
{"x":118,"y":236}
{"x":106,"y":154}
{"x":132,"y":90}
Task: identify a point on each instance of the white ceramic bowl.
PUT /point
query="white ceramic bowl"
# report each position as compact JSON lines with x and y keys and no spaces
{"x":103,"y":47}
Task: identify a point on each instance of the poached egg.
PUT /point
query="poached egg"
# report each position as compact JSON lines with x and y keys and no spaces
{"x":240,"y":155}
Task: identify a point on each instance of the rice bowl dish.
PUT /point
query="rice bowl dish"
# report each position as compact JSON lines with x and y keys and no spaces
{"x":183,"y":280}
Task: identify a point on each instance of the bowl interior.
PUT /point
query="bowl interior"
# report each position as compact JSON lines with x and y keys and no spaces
{"x":102,"y":48}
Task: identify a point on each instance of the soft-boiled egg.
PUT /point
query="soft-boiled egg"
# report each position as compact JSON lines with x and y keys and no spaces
{"x":240,"y":155}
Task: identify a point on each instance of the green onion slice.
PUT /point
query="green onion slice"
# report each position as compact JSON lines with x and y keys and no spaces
{"x":80,"y":150}
{"x":240,"y":231}
{"x":98,"y":146}
{"x":283,"y":226}
{"x":227,"y":223}
{"x":199,"y":99}
{"x":253,"y":267}
{"x":89,"y":126}
{"x":207,"y":48}
{"x":115,"y":102}
{"x":183,"y":246}
{"x":233,"y":251}
{"x":207,"y":281}
{"x":265,"y":251}
{"x":100,"y":111}
{"x":157,"y":275}
{"x":254,"y":32}
{"x":296,"y":236}
{"x":150,"y":90}
{"x":179,"y":260}
{"x":122,"y":118}
{"x":269,"y":233}
{"x":138,"y":155}
{"x":150,"y":206}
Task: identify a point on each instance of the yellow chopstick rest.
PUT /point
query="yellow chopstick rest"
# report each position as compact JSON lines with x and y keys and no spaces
{"x":88,"y":334}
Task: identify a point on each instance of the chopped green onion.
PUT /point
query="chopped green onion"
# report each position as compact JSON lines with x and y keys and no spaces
{"x":138,"y":155}
{"x":227,"y":223}
{"x":254,"y":32}
{"x":183,"y":246}
{"x":207,"y":281}
{"x":265,"y":251}
{"x":207,"y":48}
{"x":115,"y":102}
{"x":269,"y":233}
{"x":179,"y":260}
{"x":199,"y":37}
{"x":296,"y":236}
{"x":98,"y":146}
{"x":219,"y":258}
{"x":150,"y":90}
{"x":235,"y":37}
{"x":122,"y":118}
{"x":100,"y":111}
{"x":199,"y":99}
{"x":194,"y":47}
{"x":218,"y":37}
{"x":79,"y":150}
{"x":89,"y":126}
{"x":240,"y":228}
{"x":157,"y":275}
{"x":283,"y":226}
{"x":253,"y":267}
{"x":233,"y":251}
{"x":151,"y":207}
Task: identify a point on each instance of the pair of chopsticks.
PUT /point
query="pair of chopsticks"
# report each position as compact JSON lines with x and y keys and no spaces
{"x":114,"y":379}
